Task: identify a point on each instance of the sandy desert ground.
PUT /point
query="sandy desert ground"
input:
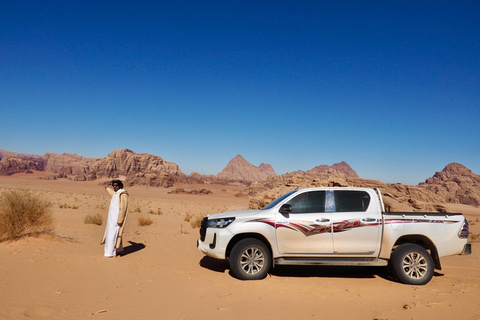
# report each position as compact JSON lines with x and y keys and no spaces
{"x":164,"y":276}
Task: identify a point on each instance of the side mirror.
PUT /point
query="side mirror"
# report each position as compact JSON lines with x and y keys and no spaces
{"x":285,"y":208}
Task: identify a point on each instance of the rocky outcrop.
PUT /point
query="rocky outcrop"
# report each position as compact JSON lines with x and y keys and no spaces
{"x":455,"y":184}
{"x":396,"y":197}
{"x":67,"y":164}
{"x":183,"y":191}
{"x":138,"y":168}
{"x":11,"y":164}
{"x":341,"y":169}
{"x":240,"y":169}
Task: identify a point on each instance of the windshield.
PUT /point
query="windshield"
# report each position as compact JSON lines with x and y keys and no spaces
{"x":276,"y":201}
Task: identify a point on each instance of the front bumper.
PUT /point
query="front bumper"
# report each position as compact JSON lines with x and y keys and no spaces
{"x":214,"y":242}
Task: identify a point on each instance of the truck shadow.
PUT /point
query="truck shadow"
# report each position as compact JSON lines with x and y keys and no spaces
{"x":214,"y":264}
{"x":312,"y":271}
{"x":332,"y":272}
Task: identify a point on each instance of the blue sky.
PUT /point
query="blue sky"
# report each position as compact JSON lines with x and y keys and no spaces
{"x":390,"y":87}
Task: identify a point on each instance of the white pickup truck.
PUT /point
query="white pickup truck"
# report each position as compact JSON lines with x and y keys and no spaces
{"x":337,"y":227}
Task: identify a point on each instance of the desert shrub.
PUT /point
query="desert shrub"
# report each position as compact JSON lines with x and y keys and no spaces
{"x":182,"y":230}
{"x":474,"y":237}
{"x":23,"y":214}
{"x":188,"y":217}
{"x":196,"y":222}
{"x":137,"y":209}
{"x":93,"y":219}
{"x":142,"y":221}
{"x":158,"y":212}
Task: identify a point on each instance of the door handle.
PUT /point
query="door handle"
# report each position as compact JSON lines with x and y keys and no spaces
{"x":369,"y":219}
{"x":323,"y":220}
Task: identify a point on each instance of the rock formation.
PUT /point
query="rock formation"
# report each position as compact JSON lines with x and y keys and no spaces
{"x":138,"y":168}
{"x":241,"y":170}
{"x":455,"y":184}
{"x":341,"y":169}
{"x":396,"y":197}
{"x":12,"y":164}
{"x":67,"y":164}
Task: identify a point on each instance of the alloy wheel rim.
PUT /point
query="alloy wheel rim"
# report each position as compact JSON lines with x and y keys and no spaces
{"x":415,"y":265}
{"x":252,"y":261}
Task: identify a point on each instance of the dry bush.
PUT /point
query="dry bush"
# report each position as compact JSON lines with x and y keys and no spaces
{"x":137,"y":209}
{"x":196,"y":222}
{"x":23,"y":214}
{"x":188,"y":217}
{"x":158,"y":212}
{"x":182,"y":230}
{"x":142,"y":221}
{"x":474,"y":237}
{"x":93,"y":219}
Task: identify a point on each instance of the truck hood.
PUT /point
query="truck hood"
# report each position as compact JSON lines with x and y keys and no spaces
{"x":236,"y":214}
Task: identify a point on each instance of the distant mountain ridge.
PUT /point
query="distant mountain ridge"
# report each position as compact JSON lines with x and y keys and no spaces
{"x":138,"y":168}
{"x":454,"y":184}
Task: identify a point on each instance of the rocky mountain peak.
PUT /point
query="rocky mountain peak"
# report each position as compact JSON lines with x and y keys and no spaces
{"x":456,"y":184}
{"x":240,"y":169}
{"x":341,"y":169}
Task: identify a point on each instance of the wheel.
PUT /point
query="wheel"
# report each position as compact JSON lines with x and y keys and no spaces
{"x":250,"y":259}
{"x":412,"y":264}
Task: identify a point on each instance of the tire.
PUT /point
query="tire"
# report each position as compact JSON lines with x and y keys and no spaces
{"x":412,"y":264}
{"x":250,"y":259}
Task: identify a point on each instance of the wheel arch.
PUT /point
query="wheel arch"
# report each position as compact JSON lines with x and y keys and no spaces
{"x":422,"y":241}
{"x":242,"y":236}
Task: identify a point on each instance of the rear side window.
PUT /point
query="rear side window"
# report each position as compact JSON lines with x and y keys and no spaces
{"x":347,"y":201}
{"x":308,"y":202}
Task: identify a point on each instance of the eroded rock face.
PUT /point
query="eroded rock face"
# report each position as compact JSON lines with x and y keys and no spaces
{"x":67,"y":164}
{"x":396,"y":197}
{"x":12,"y":164}
{"x":455,"y":184}
{"x":241,"y":170}
{"x":139,"y":168}
{"x":338,"y":169}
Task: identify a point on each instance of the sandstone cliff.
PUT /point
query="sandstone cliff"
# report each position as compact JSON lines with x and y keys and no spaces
{"x":12,"y":164}
{"x":138,"y":168}
{"x":67,"y":164}
{"x":396,"y":197}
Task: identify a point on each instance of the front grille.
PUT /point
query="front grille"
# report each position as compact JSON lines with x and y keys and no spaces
{"x":203,"y":229}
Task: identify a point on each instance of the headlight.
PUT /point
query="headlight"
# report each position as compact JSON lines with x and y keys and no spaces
{"x":220,"y":223}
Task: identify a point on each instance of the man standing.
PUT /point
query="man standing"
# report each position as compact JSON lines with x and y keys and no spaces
{"x":117,"y":216}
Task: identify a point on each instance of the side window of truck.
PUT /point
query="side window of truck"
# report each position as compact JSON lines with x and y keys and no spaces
{"x":351,"y":201}
{"x":308,"y":202}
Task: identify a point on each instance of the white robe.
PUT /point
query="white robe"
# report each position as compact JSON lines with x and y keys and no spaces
{"x":112,"y":226}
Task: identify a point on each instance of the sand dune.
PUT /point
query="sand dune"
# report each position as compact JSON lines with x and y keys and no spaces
{"x":164,"y":276}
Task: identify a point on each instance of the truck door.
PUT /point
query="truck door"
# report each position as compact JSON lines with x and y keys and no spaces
{"x":308,"y":228}
{"x":356,"y":223}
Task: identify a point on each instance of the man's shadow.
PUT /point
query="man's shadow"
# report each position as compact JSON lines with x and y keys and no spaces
{"x":133,"y":247}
